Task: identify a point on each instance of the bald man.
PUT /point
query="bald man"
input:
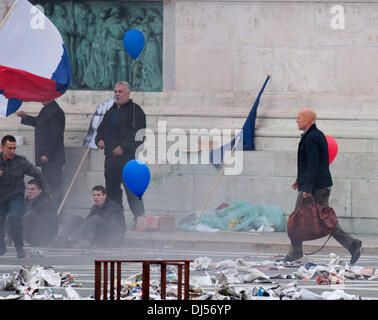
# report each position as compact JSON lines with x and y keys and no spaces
{"x":314,"y":180}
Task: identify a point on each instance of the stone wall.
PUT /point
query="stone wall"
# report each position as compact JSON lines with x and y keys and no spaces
{"x":216,"y":57}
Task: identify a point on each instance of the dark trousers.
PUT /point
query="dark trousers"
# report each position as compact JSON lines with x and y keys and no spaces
{"x":78,"y":228}
{"x":113,"y":182}
{"x":95,"y":230}
{"x":321,"y":197}
{"x":37,"y":230}
{"x":53,"y":175}
{"x":13,"y":208}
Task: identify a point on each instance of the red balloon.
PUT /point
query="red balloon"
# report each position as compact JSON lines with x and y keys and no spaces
{"x":332,"y":148}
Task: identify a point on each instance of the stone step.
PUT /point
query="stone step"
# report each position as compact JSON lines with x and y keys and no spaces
{"x":225,"y":104}
{"x":353,"y":135}
{"x":264,"y":127}
{"x":265,"y":179}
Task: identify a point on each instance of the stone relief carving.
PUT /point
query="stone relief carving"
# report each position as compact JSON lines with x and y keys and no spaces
{"x":93,"y":35}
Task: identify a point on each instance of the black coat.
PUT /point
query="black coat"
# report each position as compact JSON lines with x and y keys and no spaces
{"x":130,"y":120}
{"x":12,"y":181}
{"x":114,"y":228}
{"x":313,"y":161}
{"x":40,"y":221}
{"x":49,"y":134}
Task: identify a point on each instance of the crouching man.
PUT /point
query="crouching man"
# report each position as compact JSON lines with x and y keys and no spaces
{"x":40,"y":219}
{"x":103,"y":227}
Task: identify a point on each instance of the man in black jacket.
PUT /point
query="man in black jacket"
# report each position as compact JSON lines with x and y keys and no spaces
{"x":13,"y":168}
{"x":103,"y":227}
{"x":49,"y":144}
{"x":314,"y":180}
{"x":40,"y":220}
{"x":116,"y":134}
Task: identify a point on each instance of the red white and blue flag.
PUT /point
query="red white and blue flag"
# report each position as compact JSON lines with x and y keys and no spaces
{"x":34,"y":64}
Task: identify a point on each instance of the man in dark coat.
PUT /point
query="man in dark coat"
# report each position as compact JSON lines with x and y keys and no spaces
{"x":103,"y":227}
{"x":314,"y":181}
{"x":49,"y":144}
{"x":116,"y":134}
{"x":13,"y":168}
{"x":40,"y":220}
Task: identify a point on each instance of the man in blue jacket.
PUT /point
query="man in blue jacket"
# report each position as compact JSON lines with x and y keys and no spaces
{"x":314,"y":180}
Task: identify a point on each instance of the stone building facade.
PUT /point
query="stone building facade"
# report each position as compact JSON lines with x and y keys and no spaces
{"x":216,"y":56}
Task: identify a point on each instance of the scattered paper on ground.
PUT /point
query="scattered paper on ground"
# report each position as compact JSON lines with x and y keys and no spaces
{"x":209,"y":280}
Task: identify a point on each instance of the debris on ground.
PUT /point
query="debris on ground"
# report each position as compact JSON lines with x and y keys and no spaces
{"x":246,"y":280}
{"x":229,"y":275}
{"x":223,"y":280}
{"x":38,"y":282}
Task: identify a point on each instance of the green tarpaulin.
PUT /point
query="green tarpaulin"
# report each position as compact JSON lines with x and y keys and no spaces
{"x":237,"y":216}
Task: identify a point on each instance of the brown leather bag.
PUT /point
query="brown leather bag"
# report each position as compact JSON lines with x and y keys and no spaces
{"x":311,"y":221}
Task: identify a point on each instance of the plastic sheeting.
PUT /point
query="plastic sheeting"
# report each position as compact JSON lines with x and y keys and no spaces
{"x":236,"y":216}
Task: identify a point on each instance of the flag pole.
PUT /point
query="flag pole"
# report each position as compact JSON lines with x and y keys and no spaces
{"x":72,"y":182}
{"x":215,"y":185}
{"x":8,"y":14}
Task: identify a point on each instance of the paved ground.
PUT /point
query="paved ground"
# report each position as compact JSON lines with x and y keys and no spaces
{"x":254,"y":241}
{"x":218,"y":246}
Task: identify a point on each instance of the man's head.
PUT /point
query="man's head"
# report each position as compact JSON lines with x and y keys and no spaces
{"x":306,"y":118}
{"x":33,"y":189}
{"x":8,"y":147}
{"x":122,"y":92}
{"x":99,"y":195}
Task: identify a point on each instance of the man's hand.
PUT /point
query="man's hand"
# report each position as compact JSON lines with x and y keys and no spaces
{"x":101,"y":144}
{"x":117,"y":151}
{"x":307,"y":194}
{"x":44,"y":159}
{"x":21,"y":114}
{"x":1,"y":173}
{"x":295,"y":185}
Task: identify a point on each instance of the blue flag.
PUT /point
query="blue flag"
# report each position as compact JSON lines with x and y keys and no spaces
{"x":246,"y":134}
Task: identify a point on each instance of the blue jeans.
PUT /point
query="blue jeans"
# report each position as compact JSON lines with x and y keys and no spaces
{"x":13,"y":207}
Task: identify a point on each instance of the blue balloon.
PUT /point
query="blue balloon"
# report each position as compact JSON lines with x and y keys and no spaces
{"x":136,"y":176}
{"x":133,"y":41}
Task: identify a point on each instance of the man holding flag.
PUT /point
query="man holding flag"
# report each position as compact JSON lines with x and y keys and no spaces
{"x":49,"y":144}
{"x":116,"y":136}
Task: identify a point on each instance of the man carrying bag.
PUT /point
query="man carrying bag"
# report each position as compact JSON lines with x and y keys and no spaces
{"x":313,"y":218}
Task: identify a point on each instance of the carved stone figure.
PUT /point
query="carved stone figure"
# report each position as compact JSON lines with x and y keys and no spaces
{"x":95,"y":73}
{"x":93,"y":33}
{"x":114,"y":30}
{"x":153,"y":52}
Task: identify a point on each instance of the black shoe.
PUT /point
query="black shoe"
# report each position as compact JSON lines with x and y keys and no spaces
{"x":21,"y":253}
{"x":355,"y":251}
{"x":287,"y":259}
